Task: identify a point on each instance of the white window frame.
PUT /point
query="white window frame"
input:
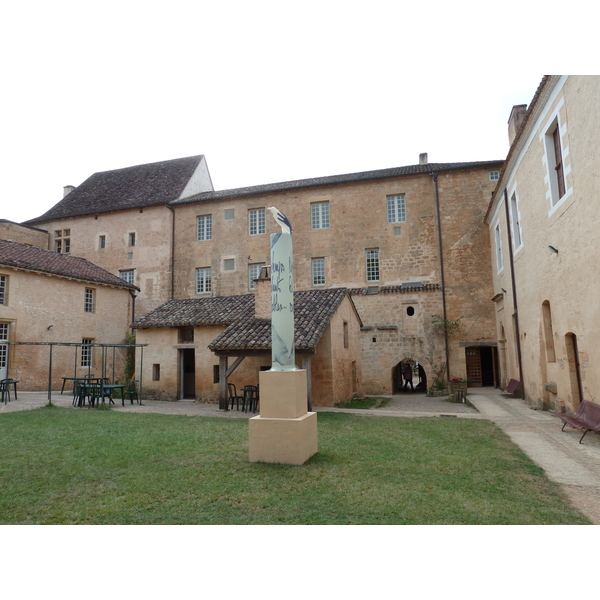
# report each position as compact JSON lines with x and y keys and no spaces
{"x":131,"y":239}
{"x":253,"y":273}
{"x":204,"y":228}
{"x":3,"y":290}
{"x":515,"y":222}
{"x":62,"y":241}
{"x":256,"y":221}
{"x":203,"y":280}
{"x":4,"y":333}
{"x":319,"y":215}
{"x":498,"y":238}
{"x":396,"y":208}
{"x":549,"y":159}
{"x":372,"y":263}
{"x":318,"y":271}
{"x":494,"y":175}
{"x":86,"y":352}
{"x":89,"y":301}
{"x":128,"y":275}
{"x":101,"y":242}
{"x":229,"y":264}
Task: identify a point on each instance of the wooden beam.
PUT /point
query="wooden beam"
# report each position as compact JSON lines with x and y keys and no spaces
{"x":306,"y":365}
{"x":223,"y":400}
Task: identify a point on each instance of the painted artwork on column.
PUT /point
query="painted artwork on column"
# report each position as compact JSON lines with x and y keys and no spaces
{"x":282,"y":296}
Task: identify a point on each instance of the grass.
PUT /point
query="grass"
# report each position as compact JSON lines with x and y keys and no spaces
{"x":64,"y":466}
{"x":364,"y":402}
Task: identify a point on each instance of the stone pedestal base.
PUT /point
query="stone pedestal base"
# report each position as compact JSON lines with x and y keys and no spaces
{"x":284,"y":432}
{"x":284,"y":441}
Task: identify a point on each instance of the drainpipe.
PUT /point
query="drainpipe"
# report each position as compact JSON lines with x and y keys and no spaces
{"x":514,"y":291}
{"x":439,"y":224}
{"x":133,"y":297}
{"x":172,"y":252}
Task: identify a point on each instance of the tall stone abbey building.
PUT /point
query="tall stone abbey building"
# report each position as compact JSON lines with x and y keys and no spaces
{"x":408,"y":244}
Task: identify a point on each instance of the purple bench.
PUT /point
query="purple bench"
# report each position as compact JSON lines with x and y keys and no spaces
{"x":586,"y":419}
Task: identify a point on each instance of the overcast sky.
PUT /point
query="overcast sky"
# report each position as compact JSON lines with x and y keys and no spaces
{"x":267,"y":91}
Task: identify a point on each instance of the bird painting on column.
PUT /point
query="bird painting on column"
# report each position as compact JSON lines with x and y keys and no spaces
{"x":282,"y":220}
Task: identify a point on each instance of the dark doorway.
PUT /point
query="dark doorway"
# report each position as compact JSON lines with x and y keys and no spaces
{"x":419,"y":378}
{"x":481,"y":366}
{"x":187,"y":374}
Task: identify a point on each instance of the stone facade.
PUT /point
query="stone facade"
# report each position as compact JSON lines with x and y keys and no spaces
{"x":549,"y":338}
{"x":23,"y":234}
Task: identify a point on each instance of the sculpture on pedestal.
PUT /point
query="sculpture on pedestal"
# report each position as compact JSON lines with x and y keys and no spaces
{"x":282,"y":296}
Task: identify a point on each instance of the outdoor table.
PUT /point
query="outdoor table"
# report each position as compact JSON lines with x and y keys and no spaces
{"x":112,"y":388}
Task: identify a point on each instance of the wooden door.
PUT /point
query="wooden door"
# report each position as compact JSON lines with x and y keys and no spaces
{"x":473,"y":357}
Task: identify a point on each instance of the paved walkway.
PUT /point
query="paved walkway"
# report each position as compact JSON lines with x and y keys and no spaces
{"x":576,"y":467}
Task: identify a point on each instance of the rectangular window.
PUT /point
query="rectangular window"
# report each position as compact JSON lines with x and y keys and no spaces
{"x":86,"y":352}
{"x":494,"y":175}
{"x":3,"y":289}
{"x":372,"y":256}
{"x":229,"y":214}
{"x":228,"y":264}
{"x":203,"y":280}
{"x":514,"y":209}
{"x":253,"y":273}
{"x":396,"y":209}
{"x":204,"y":228}
{"x":216,"y":374}
{"x":155,"y":372}
{"x":318,"y":271}
{"x":3,"y":347}
{"x":128,"y":275}
{"x":256,"y":221}
{"x":319,"y":215}
{"x":101,"y":242}
{"x":558,"y":166}
{"x":62,"y":241}
{"x":498,"y":248}
{"x":89,"y":305}
{"x":132,"y":239}
{"x":554,"y":160}
{"x":346,"y":335}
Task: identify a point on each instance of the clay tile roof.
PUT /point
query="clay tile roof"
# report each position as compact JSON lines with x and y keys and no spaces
{"x":152,"y":184}
{"x":30,"y":258}
{"x":313,"y":310}
{"x":191,"y":312}
{"x":335,"y":179}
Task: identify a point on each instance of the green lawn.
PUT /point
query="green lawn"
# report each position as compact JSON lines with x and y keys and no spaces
{"x":92,"y":466}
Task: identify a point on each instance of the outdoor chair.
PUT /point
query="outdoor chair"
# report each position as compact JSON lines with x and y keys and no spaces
{"x":233,"y":397}
{"x":5,"y":390}
{"x":250,"y":398}
{"x":132,"y":391}
{"x":107,"y":393}
{"x":78,"y":393}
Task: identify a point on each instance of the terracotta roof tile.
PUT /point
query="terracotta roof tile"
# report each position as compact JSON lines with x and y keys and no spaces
{"x":30,"y":258}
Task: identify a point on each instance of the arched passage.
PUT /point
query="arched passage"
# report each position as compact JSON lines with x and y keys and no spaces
{"x":404,"y":372}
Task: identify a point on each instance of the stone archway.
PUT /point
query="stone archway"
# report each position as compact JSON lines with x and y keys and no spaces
{"x":419,"y":377}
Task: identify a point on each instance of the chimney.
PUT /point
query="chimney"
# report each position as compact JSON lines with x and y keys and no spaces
{"x":517,"y":114}
{"x":262,"y":294}
{"x":423,"y":158}
{"x":67,"y":190}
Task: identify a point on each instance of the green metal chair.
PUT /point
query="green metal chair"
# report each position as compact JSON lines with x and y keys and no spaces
{"x":133,"y":391}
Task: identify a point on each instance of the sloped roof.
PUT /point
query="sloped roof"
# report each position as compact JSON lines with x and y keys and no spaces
{"x":192,"y":312}
{"x":151,"y":184}
{"x":333,"y":180}
{"x":30,"y":258}
{"x":313,"y":309}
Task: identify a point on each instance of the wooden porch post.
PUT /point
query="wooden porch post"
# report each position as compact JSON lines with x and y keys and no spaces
{"x":223,"y":383}
{"x":306,"y":365}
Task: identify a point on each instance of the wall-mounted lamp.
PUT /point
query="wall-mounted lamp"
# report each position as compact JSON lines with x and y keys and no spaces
{"x":553,"y":249}
{"x":50,"y":327}
{"x":503,"y":290}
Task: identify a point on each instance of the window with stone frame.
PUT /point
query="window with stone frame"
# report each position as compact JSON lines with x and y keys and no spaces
{"x":203,"y":280}
{"x":318,"y":271}
{"x":4,"y":289}
{"x":253,"y":273}
{"x":554,"y":161}
{"x":128,"y":275}
{"x":372,"y":263}
{"x":516,"y":225}
{"x":89,"y":304}
{"x":204,"y":228}
{"x":396,"y":209}
{"x":86,"y":352}
{"x":499,"y":263}
{"x":256,"y":221}
{"x":319,"y":215}
{"x":62,"y":241}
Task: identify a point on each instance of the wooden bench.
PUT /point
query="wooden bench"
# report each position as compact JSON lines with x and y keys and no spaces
{"x":586,"y":419}
{"x":511,"y":388}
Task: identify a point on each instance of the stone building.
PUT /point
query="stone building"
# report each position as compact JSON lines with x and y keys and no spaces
{"x":408,"y":243}
{"x":543,"y":223}
{"x":120,"y":221}
{"x":45,"y":298}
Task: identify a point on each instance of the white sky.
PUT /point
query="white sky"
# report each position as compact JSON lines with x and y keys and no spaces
{"x":267,"y":91}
